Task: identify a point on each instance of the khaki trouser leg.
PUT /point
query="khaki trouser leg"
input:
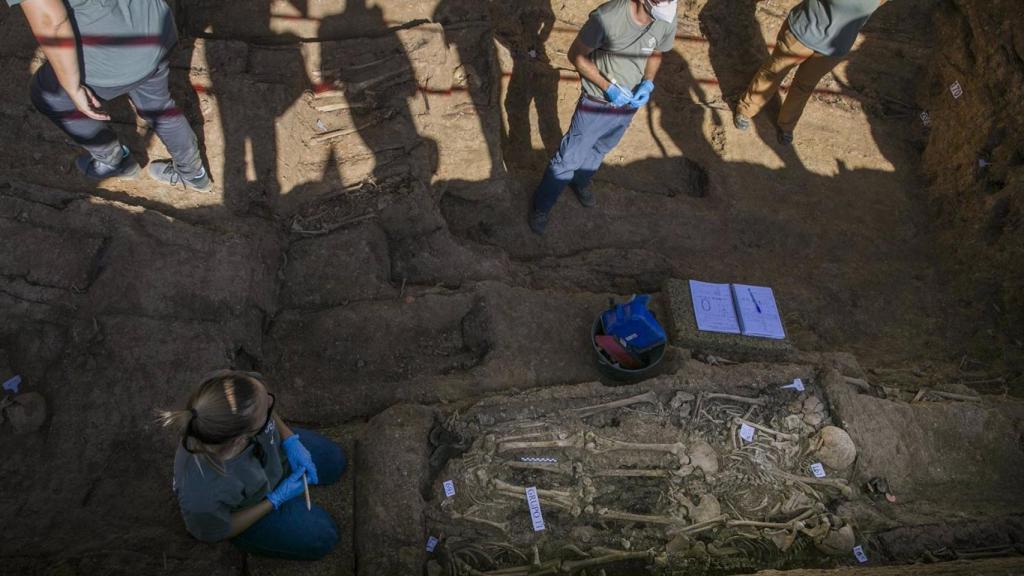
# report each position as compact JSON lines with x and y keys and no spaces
{"x":789,"y":52}
{"x":804,"y":81}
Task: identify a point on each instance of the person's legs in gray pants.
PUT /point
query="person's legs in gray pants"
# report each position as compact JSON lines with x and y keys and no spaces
{"x":52,"y":101}
{"x":595,"y":129}
{"x":153,"y":101}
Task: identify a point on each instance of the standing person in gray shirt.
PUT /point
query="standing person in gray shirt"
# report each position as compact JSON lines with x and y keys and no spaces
{"x":816,"y":36}
{"x":617,"y":54}
{"x":97,"y":50}
{"x":238,"y":473}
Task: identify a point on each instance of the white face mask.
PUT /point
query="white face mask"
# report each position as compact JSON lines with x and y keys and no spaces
{"x":666,"y":11}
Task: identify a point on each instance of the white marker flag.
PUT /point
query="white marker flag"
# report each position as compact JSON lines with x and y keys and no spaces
{"x":858,"y":552}
{"x":747,"y":432}
{"x":533,"y":501}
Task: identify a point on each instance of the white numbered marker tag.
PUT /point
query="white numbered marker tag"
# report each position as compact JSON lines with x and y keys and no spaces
{"x":858,"y":553}
{"x":747,"y":432}
{"x":449,"y":488}
{"x":956,"y":89}
{"x":818,"y":470}
{"x":533,"y":501}
{"x":431,"y":544}
{"x":797,"y":385}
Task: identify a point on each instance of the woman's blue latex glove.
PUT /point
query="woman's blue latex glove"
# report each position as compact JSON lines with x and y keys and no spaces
{"x":642,"y":94}
{"x":299,"y":458}
{"x":287,"y":489}
{"x":617,"y":96}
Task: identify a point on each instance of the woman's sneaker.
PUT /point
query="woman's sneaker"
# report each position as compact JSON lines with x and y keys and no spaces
{"x":96,"y":170}
{"x":164,"y":171}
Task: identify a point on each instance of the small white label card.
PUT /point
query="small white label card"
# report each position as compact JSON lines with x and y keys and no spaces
{"x":533,"y":501}
{"x":818,"y":470}
{"x":449,"y":488}
{"x":926,"y":119}
{"x":747,"y":432}
{"x":797,"y":385}
{"x":431,"y":544}
{"x":12,"y":385}
{"x":858,"y":553}
{"x":956,"y":89}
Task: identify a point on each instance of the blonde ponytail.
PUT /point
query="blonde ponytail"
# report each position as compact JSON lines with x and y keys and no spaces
{"x":177,"y":419}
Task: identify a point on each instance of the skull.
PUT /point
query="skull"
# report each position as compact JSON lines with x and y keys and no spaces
{"x":834,"y":447}
{"x":703,"y":456}
{"x":838,"y":541}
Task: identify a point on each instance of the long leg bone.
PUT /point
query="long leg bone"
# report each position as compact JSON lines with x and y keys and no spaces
{"x":767,"y":430}
{"x":744,"y":399}
{"x":574,"y":441}
{"x":635,"y":473}
{"x":649,"y":397}
{"x":572,"y":567}
{"x":757,"y":524}
{"x":609,"y":445}
{"x":503,"y":527}
{"x":702,"y":526}
{"x":837,"y":483}
{"x":555,"y":498}
{"x":645,"y":518}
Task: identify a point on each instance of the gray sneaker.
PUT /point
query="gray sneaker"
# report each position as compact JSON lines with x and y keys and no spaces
{"x":164,"y":171}
{"x":740,"y":121}
{"x":93,"y":169}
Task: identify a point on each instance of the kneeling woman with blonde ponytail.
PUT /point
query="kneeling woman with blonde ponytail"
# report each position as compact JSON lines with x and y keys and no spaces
{"x":238,"y":473}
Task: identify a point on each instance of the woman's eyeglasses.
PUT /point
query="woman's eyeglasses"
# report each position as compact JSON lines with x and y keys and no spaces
{"x":257,"y":448}
{"x":270,"y":414}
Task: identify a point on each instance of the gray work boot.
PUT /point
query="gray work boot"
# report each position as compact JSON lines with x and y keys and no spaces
{"x":94,"y":169}
{"x":740,"y":121}
{"x":164,"y":171}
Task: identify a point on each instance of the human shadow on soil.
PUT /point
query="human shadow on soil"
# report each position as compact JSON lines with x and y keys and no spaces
{"x":378,"y":81}
{"x":534,"y":81}
{"x":737,"y":48}
{"x":249,"y":173}
{"x":483,"y":78}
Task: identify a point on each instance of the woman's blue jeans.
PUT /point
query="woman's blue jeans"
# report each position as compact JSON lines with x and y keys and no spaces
{"x":291,"y":531}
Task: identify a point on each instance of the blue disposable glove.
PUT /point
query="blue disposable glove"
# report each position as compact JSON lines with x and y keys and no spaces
{"x":287,"y":489}
{"x":617,"y":96}
{"x":299,"y":458}
{"x":642,"y":94}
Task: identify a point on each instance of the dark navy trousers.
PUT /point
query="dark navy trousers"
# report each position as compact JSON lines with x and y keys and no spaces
{"x":595,"y":129}
{"x":291,"y":531}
